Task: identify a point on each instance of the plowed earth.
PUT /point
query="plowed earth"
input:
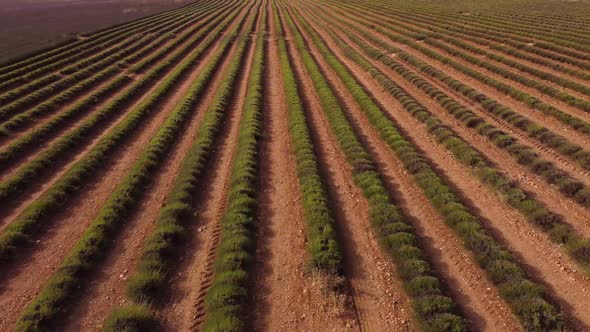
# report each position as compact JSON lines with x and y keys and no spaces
{"x":286,"y":293}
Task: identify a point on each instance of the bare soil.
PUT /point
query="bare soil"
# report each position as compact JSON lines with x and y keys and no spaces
{"x":287,"y":295}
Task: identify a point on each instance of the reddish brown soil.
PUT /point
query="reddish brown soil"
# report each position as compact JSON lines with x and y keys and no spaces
{"x":11,"y":212}
{"x":532,"y":42}
{"x":529,"y":90}
{"x":553,"y":124}
{"x":484,"y":308}
{"x":378,"y":297}
{"x":287,"y":296}
{"x":27,"y":26}
{"x":549,"y":195}
{"x":545,"y":260}
{"x":29,"y":154}
{"x":184,"y":309}
{"x":15,"y":134}
{"x":543,"y":151}
{"x":548,"y":121}
{"x":524,"y":88}
{"x":108,"y":288}
{"x":24,"y":282}
{"x":533,"y":64}
{"x":41,"y":120}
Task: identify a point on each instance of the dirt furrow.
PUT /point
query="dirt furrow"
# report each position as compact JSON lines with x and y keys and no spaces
{"x":574,"y":214}
{"x":31,"y":153}
{"x":379,"y":298}
{"x":185,"y":307}
{"x":137,"y":29}
{"x":548,"y":121}
{"x":15,"y":134}
{"x":108,"y":287}
{"x":26,"y":279}
{"x":286,"y":297}
{"x":534,"y":64}
{"x":380,"y":9}
{"x":10,"y":212}
{"x":476,"y":295}
{"x":543,"y":259}
{"x":531,"y":91}
{"x":513,"y":58}
{"x":545,"y":152}
{"x":58,"y":88}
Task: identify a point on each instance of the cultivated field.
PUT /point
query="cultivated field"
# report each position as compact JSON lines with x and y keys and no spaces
{"x":298,"y":165}
{"x":26,"y":26}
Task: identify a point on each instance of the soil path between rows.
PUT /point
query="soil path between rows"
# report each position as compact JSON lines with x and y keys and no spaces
{"x":287,"y":297}
{"x":551,"y":123}
{"x":76,"y":121}
{"x":107,"y":289}
{"x":379,"y":298}
{"x":476,"y":295}
{"x":574,"y":214}
{"x":184,"y":308}
{"x":12,"y":211}
{"x":26,"y":279}
{"x":544,"y":260}
{"x":529,"y":90}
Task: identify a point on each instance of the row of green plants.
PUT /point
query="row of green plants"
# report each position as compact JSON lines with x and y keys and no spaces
{"x":25,"y":100}
{"x":535,"y":212}
{"x":226,"y":302}
{"x":553,"y":19}
{"x":50,"y":78}
{"x":78,"y":50}
{"x":527,"y":298}
{"x":28,"y":84}
{"x":161,"y":29}
{"x":529,"y":25}
{"x":572,"y":121}
{"x":11,"y":187}
{"x":34,"y":218}
{"x":435,"y":310}
{"x":553,"y":44}
{"x":23,"y":145}
{"x":523,"y":154}
{"x":568,"y":25}
{"x":533,"y":129}
{"x":150,"y":280}
{"x":504,"y":88}
{"x":28,"y":78}
{"x":141,"y":66}
{"x":44,"y":81}
{"x":540,"y":133}
{"x":439,"y":34}
{"x":325,"y":253}
{"x":33,"y":86}
{"x":19,"y":148}
{"x":535,"y":46}
{"x":87,"y":254}
{"x":56,"y":103}
{"x":541,"y":61}
{"x":507,"y":30}
{"x":560,"y":80}
{"x":129,"y":56}
{"x":490,"y":40}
